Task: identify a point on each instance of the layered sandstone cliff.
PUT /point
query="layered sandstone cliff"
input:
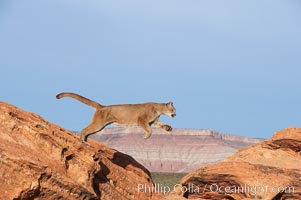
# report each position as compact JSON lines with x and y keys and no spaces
{"x":181,"y":150}
{"x":39,"y":160}
{"x":270,"y":170}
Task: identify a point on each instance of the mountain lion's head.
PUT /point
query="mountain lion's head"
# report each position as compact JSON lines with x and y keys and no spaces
{"x":170,"y":110}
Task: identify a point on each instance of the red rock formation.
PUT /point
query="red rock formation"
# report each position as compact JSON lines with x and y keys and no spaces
{"x":268,"y":170}
{"x":181,"y":150}
{"x":41,"y":160}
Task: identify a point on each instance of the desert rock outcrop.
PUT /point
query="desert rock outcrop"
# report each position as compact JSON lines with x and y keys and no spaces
{"x":40,"y":160}
{"x":270,"y":170}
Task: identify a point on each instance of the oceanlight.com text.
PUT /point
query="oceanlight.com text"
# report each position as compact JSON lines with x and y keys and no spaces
{"x":216,"y":188}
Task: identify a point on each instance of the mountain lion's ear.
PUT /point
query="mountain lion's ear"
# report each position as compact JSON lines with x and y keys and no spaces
{"x":169,"y":104}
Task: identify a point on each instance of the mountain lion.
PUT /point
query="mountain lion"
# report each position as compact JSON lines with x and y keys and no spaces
{"x":144,"y":115}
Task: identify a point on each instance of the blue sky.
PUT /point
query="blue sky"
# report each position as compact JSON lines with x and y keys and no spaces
{"x":230,"y":66}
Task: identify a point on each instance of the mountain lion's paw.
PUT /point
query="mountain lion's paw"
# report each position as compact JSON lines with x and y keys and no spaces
{"x":167,"y":128}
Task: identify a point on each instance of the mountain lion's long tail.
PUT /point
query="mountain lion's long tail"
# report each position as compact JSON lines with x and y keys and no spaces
{"x":80,"y":98}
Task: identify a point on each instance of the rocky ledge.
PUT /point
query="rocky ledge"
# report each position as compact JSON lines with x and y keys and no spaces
{"x":270,"y":170}
{"x":40,"y":160}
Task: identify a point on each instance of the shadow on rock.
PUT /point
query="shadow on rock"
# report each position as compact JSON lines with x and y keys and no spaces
{"x":100,"y":177}
{"x":123,"y":160}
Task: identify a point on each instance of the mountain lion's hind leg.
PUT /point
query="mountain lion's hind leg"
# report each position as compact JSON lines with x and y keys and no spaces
{"x":162,"y":125}
{"x":97,"y":124}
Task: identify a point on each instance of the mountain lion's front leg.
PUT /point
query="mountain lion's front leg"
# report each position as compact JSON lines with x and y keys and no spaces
{"x":159,"y":124}
{"x":146,"y":127}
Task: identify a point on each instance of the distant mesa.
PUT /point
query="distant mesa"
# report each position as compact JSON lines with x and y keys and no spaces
{"x":181,"y":150}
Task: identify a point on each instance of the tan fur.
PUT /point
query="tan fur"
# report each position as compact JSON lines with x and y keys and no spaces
{"x":144,"y":115}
